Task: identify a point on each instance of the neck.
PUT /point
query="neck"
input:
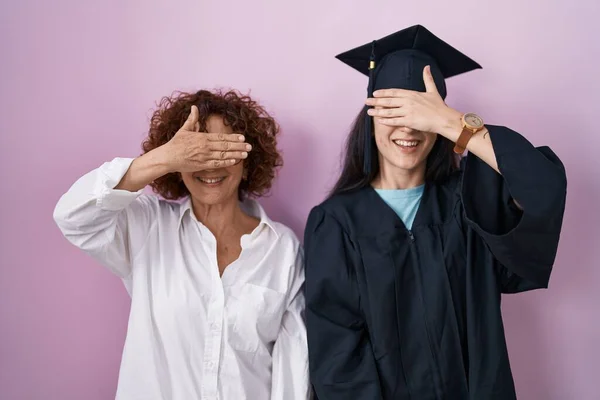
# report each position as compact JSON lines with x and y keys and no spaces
{"x":396,"y":178}
{"x":218,"y":217}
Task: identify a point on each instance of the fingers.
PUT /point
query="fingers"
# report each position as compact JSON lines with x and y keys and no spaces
{"x":387,"y":112}
{"x":227,"y":142}
{"x":399,"y":121}
{"x":212,"y":164}
{"x":225,"y":137}
{"x":428,"y":79}
{"x":386,"y":102}
{"x":393,"y":93}
{"x":228,"y":155}
{"x":228,"y":146}
{"x":191,"y":123}
{"x":219,"y":150}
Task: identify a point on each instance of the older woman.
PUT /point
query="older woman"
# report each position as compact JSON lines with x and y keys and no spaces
{"x":216,"y":286}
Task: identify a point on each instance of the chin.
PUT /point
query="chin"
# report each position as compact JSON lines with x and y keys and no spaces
{"x":213,"y":189}
{"x":212,"y":199}
{"x":409,"y":164}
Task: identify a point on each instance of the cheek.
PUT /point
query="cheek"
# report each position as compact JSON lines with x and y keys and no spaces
{"x":187,"y":177}
{"x":236,"y":171}
{"x":381,"y":130}
{"x":382,"y":134}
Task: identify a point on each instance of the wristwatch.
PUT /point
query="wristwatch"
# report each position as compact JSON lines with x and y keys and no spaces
{"x":471,"y":123}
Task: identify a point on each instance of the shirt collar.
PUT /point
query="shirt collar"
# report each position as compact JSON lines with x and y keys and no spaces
{"x":250,"y":207}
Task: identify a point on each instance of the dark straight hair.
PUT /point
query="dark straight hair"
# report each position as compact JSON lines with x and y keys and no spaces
{"x":441,"y":161}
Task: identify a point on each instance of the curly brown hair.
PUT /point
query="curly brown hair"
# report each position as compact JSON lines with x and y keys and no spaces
{"x":239,"y":112}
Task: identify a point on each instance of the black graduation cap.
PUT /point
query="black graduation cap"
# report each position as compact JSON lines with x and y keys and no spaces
{"x":397,"y":61}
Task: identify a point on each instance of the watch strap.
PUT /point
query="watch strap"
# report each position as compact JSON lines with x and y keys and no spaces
{"x":463,"y":140}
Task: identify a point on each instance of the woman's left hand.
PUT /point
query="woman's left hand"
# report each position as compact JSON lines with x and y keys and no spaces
{"x":422,"y":111}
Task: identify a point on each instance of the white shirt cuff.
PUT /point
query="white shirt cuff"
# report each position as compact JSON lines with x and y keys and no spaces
{"x":110,"y":174}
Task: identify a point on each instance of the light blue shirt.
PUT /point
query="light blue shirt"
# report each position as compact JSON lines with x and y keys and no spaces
{"x":404,"y":202}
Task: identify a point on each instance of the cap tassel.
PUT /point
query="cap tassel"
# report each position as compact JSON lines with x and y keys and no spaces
{"x":368,"y":119}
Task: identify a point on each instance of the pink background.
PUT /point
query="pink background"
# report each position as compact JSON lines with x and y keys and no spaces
{"x":78,"y":80}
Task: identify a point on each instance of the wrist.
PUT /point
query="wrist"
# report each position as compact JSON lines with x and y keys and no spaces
{"x":159,"y":160}
{"x":451,"y":125}
{"x":143,"y":171}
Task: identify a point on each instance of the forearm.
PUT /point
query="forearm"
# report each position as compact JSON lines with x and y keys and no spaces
{"x":144,"y":170}
{"x":95,"y":217}
{"x":480,"y":145}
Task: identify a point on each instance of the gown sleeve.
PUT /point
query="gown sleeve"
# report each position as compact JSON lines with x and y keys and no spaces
{"x":523,"y":239}
{"x":341,"y":360}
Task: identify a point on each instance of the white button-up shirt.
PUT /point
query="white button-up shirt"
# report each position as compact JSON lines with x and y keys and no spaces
{"x":193,"y":334}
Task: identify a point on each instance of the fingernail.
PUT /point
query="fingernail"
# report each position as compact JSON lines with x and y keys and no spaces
{"x":248,"y":147}
{"x":242,"y":138}
{"x":244,"y":154}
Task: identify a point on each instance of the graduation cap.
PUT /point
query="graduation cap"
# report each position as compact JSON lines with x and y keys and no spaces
{"x":397,"y":61}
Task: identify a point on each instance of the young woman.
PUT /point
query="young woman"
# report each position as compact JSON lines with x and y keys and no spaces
{"x":407,"y":259}
{"x":216,"y":286}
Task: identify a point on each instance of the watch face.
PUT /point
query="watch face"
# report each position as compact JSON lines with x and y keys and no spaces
{"x":473,"y":121}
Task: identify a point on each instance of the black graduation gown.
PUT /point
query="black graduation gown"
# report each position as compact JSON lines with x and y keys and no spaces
{"x":415,"y":314}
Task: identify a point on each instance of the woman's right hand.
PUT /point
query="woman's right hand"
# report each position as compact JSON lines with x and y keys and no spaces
{"x":190,"y":150}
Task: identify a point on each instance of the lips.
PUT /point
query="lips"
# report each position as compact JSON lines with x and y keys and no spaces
{"x":210,"y":181}
{"x":406,"y":143}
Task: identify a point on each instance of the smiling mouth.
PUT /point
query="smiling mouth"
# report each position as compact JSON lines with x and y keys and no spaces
{"x":210,"y":181}
{"x":406,"y":144}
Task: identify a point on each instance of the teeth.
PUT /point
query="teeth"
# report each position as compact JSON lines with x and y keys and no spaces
{"x":406,"y":143}
{"x":210,"y":180}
